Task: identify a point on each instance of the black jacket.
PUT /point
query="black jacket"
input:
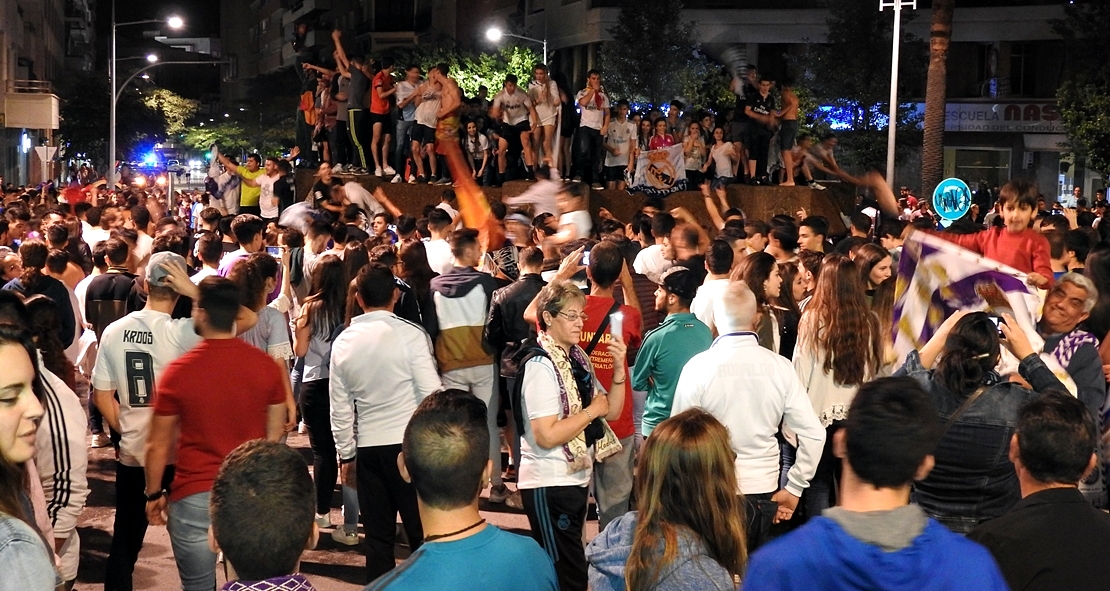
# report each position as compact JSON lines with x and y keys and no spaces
{"x":1050,"y":540}
{"x":506,"y":328}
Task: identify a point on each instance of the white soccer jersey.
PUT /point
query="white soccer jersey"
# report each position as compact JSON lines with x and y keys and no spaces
{"x":134,"y":351}
{"x":515,"y":107}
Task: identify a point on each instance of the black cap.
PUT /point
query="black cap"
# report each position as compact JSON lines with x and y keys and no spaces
{"x":680,"y":281}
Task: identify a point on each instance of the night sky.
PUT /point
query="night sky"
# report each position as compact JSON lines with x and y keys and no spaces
{"x":202,"y":17}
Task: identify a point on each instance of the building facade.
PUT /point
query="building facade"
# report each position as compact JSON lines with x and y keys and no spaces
{"x":1004,"y":66}
{"x":38,"y":38}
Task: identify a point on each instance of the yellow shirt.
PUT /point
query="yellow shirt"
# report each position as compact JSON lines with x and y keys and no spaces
{"x":248,"y":196}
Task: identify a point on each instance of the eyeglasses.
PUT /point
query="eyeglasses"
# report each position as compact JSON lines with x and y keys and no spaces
{"x":574,"y":317}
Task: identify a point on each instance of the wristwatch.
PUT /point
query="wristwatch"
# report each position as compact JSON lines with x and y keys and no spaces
{"x":155,"y":495}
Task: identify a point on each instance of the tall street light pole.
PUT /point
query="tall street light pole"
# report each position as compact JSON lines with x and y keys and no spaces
{"x":896,"y":43}
{"x":173,"y":22}
{"x":494,"y":34}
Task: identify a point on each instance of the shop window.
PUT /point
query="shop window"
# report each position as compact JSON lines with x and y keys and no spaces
{"x":978,"y":165}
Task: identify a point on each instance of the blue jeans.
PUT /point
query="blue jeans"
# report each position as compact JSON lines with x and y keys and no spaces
{"x":402,"y":145}
{"x":188,"y":527}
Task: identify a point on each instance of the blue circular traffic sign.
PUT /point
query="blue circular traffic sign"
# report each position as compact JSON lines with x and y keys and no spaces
{"x":952,"y":199}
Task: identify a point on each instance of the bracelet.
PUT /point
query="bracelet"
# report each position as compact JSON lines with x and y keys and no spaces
{"x":589,"y":414}
{"x":155,"y":496}
{"x":616,"y":383}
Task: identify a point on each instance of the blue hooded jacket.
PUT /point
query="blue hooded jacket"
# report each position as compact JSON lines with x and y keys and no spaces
{"x":692,"y":569}
{"x":822,"y":556}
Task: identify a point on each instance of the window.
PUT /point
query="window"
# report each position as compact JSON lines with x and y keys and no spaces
{"x":1023,"y":69}
{"x":978,"y":165}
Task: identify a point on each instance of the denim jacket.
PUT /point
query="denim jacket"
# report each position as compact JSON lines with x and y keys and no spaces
{"x":973,"y":479}
{"x":25,"y":562}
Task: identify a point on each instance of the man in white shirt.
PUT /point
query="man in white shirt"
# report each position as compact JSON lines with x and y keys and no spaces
{"x":134,"y":351}
{"x":545,"y":97}
{"x":651,"y":260}
{"x":381,"y":397}
{"x":592,"y":129}
{"x":438,"y":250}
{"x":406,"y":103}
{"x":575,"y":222}
{"x":98,"y":230}
{"x":267,"y":200}
{"x":618,"y":144}
{"x":209,"y":250}
{"x":514,"y":108}
{"x":718,"y":262}
{"x":753,"y":391}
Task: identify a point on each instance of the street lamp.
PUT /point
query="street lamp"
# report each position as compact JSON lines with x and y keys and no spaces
{"x":494,"y":34}
{"x":174,"y":22}
{"x":896,"y":43}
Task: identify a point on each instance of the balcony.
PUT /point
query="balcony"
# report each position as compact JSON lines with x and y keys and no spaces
{"x":29,"y":104}
{"x":305,"y":9}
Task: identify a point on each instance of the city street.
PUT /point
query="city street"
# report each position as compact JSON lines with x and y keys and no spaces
{"x":331,"y":566}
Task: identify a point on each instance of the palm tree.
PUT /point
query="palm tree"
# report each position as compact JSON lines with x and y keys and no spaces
{"x":932,"y":152}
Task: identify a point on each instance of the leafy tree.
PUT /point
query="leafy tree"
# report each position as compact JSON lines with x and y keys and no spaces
{"x":1084,"y":97}
{"x":175,"y":108}
{"x":843,"y":75}
{"x":264,"y":121}
{"x":654,"y":59}
{"x":471,"y":69}
{"x":932,"y":151}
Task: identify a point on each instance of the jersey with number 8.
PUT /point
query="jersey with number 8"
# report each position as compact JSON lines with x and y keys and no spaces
{"x":133,"y":352}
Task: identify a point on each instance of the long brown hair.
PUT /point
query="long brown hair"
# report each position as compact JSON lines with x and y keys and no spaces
{"x":690,"y":447}
{"x":13,"y":477}
{"x":839,"y":323}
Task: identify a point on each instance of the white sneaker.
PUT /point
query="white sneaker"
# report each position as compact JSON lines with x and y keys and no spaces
{"x":338,"y":168}
{"x":816,"y":185}
{"x":342,"y":535}
{"x":378,"y":171}
{"x":101,"y":440}
{"x":388,"y":170}
{"x":323,"y":520}
{"x":412,"y":179}
{"x":396,"y":178}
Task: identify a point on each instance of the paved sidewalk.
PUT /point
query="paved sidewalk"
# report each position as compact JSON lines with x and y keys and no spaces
{"x":331,"y":566}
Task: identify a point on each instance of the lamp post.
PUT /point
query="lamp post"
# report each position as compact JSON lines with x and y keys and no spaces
{"x":896,"y":43}
{"x":494,"y":34}
{"x":174,"y":22}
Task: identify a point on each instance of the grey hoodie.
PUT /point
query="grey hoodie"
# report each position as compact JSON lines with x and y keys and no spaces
{"x":692,"y":569}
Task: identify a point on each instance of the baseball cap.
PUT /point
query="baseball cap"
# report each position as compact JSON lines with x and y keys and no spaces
{"x":680,"y":281}
{"x":155,"y":274}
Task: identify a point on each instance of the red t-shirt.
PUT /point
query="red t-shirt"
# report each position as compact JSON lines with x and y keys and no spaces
{"x":220,"y":391}
{"x":382,"y":82}
{"x":596,"y":309}
{"x":1027,"y":251}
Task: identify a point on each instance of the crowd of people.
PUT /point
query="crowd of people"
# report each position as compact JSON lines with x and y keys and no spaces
{"x":726,"y":394}
{"x":369,"y":116}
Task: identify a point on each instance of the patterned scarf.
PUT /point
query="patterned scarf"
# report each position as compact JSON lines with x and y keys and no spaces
{"x":576,"y":451}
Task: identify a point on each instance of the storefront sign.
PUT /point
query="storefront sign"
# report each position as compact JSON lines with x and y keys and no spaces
{"x":952,"y":199}
{"x":1003,"y":117}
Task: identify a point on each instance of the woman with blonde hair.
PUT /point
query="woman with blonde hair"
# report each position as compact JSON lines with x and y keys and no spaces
{"x":681,"y":536}
{"x":839,"y":348}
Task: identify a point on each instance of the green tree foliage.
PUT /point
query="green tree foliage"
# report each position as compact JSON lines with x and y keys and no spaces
{"x":471,"y":69}
{"x":848,"y":75}
{"x":1084,"y":97}
{"x":176,"y":109}
{"x":85,"y":112}
{"x":654,"y":59}
{"x":264,"y":121}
